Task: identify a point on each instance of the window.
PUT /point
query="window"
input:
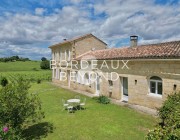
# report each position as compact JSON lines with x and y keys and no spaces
{"x":57,"y":56}
{"x":68,"y":55}
{"x":57,"y":73}
{"x":65,"y":55}
{"x":53,"y":56}
{"x":54,"y":73}
{"x":78,"y":78}
{"x":86,"y":78}
{"x":110,"y":86}
{"x":155,"y":85}
{"x":60,"y":55}
{"x":110,"y":83}
{"x":73,"y":76}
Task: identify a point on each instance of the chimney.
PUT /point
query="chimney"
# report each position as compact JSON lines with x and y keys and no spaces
{"x":133,"y":40}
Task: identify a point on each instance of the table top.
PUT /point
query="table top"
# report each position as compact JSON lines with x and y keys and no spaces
{"x":73,"y":100}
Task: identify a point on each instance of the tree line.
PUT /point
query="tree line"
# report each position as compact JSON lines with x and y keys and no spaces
{"x":13,"y":58}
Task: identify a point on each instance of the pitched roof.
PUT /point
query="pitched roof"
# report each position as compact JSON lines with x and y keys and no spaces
{"x":167,"y":50}
{"x":76,"y":39}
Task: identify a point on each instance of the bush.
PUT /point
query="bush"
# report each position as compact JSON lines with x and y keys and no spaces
{"x":38,"y":81}
{"x":7,"y":133}
{"x":169,"y":127}
{"x":45,"y":64}
{"x":103,"y":99}
{"x":4,"y":81}
{"x":18,"y":107}
{"x":35,"y":69}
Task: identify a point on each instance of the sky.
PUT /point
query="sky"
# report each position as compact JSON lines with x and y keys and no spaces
{"x":28,"y":27}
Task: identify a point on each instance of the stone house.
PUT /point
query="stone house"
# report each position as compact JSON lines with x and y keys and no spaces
{"x":139,"y":74}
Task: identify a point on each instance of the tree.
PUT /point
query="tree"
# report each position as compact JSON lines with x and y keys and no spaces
{"x":45,"y":64}
{"x":15,"y":57}
{"x":4,"y":81}
{"x":43,"y":59}
{"x":17,"y":106}
{"x":169,"y":127}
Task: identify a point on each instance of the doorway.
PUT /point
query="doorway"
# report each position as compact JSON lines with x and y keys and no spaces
{"x":124,"y":88}
{"x":97,"y":85}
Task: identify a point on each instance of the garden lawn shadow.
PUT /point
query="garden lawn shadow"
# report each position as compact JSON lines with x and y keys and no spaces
{"x":37,"y":131}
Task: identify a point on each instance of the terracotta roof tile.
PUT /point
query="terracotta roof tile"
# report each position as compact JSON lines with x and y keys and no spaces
{"x":167,"y":50}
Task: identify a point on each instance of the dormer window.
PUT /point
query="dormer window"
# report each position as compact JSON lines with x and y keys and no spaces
{"x":155,"y":85}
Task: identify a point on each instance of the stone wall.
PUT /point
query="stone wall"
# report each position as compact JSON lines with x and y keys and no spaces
{"x":138,"y":75}
{"x":87,"y":44}
{"x":141,"y":71}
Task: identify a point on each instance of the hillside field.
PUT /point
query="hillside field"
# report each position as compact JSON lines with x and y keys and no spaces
{"x":19,"y":66}
{"x":29,"y":70}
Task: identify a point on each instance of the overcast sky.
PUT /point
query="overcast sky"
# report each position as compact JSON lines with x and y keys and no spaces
{"x":28,"y":27}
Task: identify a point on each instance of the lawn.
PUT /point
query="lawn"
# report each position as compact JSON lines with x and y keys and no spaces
{"x":97,"y":122}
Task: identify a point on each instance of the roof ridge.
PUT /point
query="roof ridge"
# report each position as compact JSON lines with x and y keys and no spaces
{"x":76,"y":38}
{"x":83,"y":54}
{"x":166,"y":50}
{"x":158,"y":43}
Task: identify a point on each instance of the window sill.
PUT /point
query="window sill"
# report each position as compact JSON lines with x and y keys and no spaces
{"x":155,"y":95}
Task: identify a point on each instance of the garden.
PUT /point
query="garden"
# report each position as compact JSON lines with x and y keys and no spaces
{"x":34,"y":110}
{"x":97,"y":121}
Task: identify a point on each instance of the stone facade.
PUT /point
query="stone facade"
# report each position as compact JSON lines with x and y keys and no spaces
{"x":137,"y":73}
{"x":67,"y":51}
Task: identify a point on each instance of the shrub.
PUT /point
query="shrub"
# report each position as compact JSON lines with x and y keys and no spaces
{"x":17,"y":106}
{"x":4,"y":81}
{"x":7,"y":133}
{"x":103,"y":99}
{"x":45,"y":64}
{"x":169,"y":127}
{"x":38,"y":81}
{"x":35,"y":69}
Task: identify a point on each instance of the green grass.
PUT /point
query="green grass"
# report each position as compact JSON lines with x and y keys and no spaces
{"x":19,"y":66}
{"x":97,"y":122}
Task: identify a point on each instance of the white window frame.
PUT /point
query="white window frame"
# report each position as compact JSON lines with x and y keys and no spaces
{"x":57,"y":74}
{"x":60,"y":55}
{"x":54,"y":56}
{"x":77,"y":77}
{"x":69,"y":55}
{"x":156,"y":90}
{"x":110,"y":82}
{"x":57,"y":56}
{"x":86,"y":78}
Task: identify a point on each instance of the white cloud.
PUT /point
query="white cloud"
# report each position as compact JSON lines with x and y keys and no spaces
{"x":40,"y":11}
{"x":31,"y":34}
{"x":144,"y":18}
